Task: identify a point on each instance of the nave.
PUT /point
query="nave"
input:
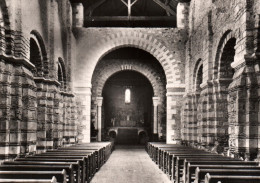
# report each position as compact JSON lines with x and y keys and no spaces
{"x":130,"y":164}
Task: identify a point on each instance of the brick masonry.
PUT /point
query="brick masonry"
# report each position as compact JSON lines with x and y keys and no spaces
{"x":36,"y":111}
{"x":166,"y":45}
{"x":223,"y":112}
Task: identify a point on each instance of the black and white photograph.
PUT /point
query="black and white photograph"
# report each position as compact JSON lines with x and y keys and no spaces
{"x":129,"y":91}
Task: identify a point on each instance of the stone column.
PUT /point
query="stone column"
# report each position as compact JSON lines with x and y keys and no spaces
{"x":83,"y":94}
{"x":78,"y":14}
{"x":174,"y":99}
{"x":156,"y":101}
{"x":99,"y":115}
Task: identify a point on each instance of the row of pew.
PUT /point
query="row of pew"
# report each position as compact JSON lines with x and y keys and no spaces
{"x":189,"y":165}
{"x":73,"y":164}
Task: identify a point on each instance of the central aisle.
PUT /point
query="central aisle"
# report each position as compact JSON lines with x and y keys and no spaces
{"x":130,"y":164}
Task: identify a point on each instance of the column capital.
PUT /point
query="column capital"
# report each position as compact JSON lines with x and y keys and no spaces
{"x":99,"y":101}
{"x":156,"y":101}
{"x":85,"y":90}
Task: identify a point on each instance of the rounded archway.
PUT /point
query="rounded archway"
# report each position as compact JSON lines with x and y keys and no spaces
{"x":130,"y":62}
{"x":223,"y":77}
{"x":38,"y":55}
{"x":127,"y":105}
{"x":197,"y":127}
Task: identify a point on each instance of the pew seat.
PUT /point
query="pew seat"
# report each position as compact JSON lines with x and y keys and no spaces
{"x":67,"y":168}
{"x":200,"y":173}
{"x":231,"y":179}
{"x":52,"y":180}
{"x":59,"y":175}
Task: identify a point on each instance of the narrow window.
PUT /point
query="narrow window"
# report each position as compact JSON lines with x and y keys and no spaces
{"x":127,"y":96}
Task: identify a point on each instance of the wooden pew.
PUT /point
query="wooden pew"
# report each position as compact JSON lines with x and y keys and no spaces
{"x":87,"y":158}
{"x":80,"y":156}
{"x":99,"y":150}
{"x":150,"y":147}
{"x":93,"y":162}
{"x":52,"y":180}
{"x":90,"y":159}
{"x":172,"y":154}
{"x":231,"y":179}
{"x":181,"y":161}
{"x":75,"y":166}
{"x":154,"y":146}
{"x":190,"y":170}
{"x":109,"y":146}
{"x":172,"y":164}
{"x":194,"y":166}
{"x":156,"y":150}
{"x":81,"y":162}
{"x":59,"y":175}
{"x":174,"y":158}
{"x":67,"y":168}
{"x":200,"y":173}
{"x":162,"y":153}
{"x":171,"y":157}
{"x":72,"y":151}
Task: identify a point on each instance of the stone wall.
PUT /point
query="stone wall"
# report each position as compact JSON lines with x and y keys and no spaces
{"x":32,"y":117}
{"x":212,"y":24}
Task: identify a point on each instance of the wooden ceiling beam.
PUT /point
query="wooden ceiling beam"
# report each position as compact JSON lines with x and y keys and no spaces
{"x":132,"y":18}
{"x":166,"y":7}
{"x":167,"y":4}
{"x":90,"y":10}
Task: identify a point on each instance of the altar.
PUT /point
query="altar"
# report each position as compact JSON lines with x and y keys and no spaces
{"x":127,"y":135}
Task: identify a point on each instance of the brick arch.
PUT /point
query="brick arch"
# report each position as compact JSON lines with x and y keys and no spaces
{"x":99,"y":78}
{"x":43,"y":66}
{"x":138,"y":40}
{"x":227,"y":35}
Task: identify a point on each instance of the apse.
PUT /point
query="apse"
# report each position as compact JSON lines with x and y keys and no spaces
{"x":127,"y":98}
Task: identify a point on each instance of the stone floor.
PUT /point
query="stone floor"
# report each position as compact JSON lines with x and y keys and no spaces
{"x":130,"y":164}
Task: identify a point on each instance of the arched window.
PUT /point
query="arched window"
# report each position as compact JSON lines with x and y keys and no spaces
{"x":36,"y":58}
{"x":127,"y":96}
{"x":199,"y":78}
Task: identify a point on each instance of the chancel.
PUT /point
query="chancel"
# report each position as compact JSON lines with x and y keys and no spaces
{"x":130,"y":91}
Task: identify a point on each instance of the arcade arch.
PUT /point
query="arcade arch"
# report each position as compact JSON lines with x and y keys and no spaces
{"x":108,"y":67}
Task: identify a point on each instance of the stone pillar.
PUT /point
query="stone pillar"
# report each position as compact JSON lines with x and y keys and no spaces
{"x":99,"y":115}
{"x":78,"y":14}
{"x":156,"y":101}
{"x":83,"y":94}
{"x":182,"y":15}
{"x":41,"y":116}
{"x":2,"y":40}
{"x":28,"y":123}
{"x":174,"y":99}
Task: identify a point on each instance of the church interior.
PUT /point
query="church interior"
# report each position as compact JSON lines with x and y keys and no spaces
{"x":165,"y":90}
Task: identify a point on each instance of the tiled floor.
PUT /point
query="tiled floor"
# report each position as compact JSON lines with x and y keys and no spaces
{"x":130,"y":164}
